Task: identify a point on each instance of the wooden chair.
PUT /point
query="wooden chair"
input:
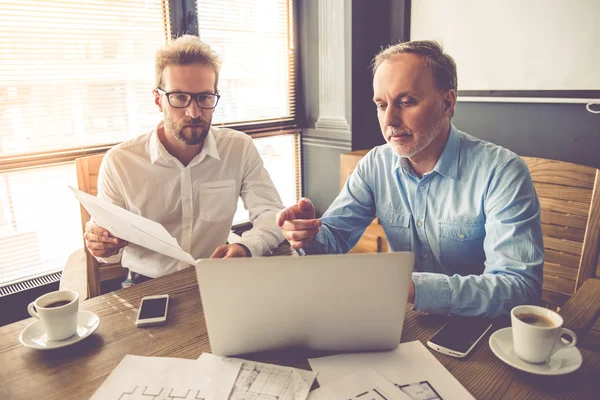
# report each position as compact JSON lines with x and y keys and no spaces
{"x":570,"y":200}
{"x":83,"y":272}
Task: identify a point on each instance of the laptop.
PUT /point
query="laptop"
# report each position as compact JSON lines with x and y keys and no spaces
{"x":350,"y":302}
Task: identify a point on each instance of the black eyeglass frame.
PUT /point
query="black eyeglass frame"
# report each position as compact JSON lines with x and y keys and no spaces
{"x":193,"y":96}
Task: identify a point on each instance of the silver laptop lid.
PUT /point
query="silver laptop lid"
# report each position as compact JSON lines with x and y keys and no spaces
{"x":352,"y":302}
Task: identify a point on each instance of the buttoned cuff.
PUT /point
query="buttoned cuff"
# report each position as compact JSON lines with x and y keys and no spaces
{"x":432,"y":293}
{"x":248,"y":252}
{"x":255,"y":247}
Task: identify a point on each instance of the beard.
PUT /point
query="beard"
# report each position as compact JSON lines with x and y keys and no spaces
{"x":415,"y":141}
{"x":190,"y":131}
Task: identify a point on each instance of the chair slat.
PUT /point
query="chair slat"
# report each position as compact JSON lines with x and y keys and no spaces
{"x":560,"y":192}
{"x":562,"y":271}
{"x":559,"y":284}
{"x":560,"y":172}
{"x":567,"y":207}
{"x":562,"y":219}
{"x":563,"y":232}
{"x":567,"y":246}
{"x":557,"y":257}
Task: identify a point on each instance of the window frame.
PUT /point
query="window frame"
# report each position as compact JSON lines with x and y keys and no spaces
{"x":182,"y":19}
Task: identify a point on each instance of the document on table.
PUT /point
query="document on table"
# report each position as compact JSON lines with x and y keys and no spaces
{"x":367,"y":384}
{"x":132,"y":227}
{"x":411,"y":367}
{"x":267,"y":381}
{"x":169,"y":378}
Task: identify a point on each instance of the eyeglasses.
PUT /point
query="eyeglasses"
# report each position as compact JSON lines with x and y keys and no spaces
{"x":183,"y":100}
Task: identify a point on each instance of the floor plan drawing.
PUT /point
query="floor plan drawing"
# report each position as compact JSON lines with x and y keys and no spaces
{"x":420,"y":391}
{"x":160,"y":393}
{"x":271,"y":382}
{"x":164,"y":378}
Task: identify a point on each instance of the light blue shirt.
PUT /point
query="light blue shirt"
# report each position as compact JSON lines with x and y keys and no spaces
{"x":473,"y":224}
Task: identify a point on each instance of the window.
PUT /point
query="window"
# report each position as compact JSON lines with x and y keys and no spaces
{"x":76,"y":78}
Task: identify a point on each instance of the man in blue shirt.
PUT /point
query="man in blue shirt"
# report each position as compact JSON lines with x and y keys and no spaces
{"x":465,"y":207}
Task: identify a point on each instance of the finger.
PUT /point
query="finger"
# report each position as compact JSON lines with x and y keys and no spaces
{"x":219,"y":252}
{"x":285,"y":215}
{"x":305,"y":235}
{"x":301,"y":224}
{"x":298,"y":244}
{"x":92,"y":237}
{"x":305,"y":204}
{"x":103,"y":246}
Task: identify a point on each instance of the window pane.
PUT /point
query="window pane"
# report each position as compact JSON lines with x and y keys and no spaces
{"x":278,"y":155}
{"x":252,"y":39}
{"x":76,"y":73}
{"x":40,"y":223}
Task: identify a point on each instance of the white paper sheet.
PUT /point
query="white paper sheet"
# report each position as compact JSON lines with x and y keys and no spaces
{"x":367,"y":384}
{"x":259,"y":381}
{"x":131,"y":227}
{"x":169,"y":378}
{"x":410,"y":366}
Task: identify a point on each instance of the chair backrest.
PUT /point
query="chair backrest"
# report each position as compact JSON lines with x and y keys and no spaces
{"x":570,"y":200}
{"x":87,"y":181}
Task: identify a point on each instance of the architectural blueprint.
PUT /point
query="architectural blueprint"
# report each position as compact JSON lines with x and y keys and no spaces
{"x":163,"y":378}
{"x":258,"y":381}
{"x":366,"y":384}
{"x":411,"y":367}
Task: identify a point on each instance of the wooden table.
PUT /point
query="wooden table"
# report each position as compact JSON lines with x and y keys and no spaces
{"x":75,"y":372}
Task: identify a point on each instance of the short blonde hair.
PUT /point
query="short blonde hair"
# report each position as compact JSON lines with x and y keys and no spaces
{"x":186,"y":50}
{"x":441,"y":65}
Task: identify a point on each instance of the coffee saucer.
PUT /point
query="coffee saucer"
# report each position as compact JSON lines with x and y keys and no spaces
{"x":35,"y":337}
{"x":562,"y":362}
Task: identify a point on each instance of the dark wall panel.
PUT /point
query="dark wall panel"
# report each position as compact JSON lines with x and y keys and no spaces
{"x":565,"y":132}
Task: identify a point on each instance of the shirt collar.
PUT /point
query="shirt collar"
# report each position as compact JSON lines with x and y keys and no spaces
{"x":158,"y":150}
{"x":447,"y":164}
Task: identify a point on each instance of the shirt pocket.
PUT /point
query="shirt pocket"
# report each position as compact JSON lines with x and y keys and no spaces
{"x":396,"y":226}
{"x":461,"y":247}
{"x":218,"y":200}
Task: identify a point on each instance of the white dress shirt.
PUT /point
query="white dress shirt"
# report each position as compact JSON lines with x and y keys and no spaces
{"x":195,"y":203}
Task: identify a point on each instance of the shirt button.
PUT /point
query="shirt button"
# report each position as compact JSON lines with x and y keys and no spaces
{"x":426,"y":255}
{"x":420,"y":223}
{"x":461,"y":235}
{"x":390,"y":220}
{"x":422,"y":188}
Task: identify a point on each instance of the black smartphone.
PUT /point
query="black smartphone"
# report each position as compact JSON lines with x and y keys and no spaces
{"x":153,"y":310}
{"x":459,"y":336}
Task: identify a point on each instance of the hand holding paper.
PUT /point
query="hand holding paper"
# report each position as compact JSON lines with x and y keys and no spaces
{"x":131,"y":227}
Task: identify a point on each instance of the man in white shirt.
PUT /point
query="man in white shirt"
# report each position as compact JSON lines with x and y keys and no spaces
{"x":186,"y":174}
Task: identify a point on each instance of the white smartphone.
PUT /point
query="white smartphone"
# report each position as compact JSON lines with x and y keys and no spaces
{"x":459,"y":336}
{"x":153,"y":310}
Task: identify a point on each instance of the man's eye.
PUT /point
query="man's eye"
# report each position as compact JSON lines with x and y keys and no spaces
{"x":179,"y":96}
{"x":380,"y":106}
{"x":407,"y":102}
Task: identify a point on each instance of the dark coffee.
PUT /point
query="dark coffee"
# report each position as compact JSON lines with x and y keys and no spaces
{"x":536,"y":320}
{"x":57,"y":303}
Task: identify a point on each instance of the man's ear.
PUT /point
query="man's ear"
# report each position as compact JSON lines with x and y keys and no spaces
{"x":157,"y":100}
{"x":450,"y":101}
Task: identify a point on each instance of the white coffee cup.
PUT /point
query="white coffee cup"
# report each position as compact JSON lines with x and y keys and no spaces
{"x":536,"y":333}
{"x":57,"y":311}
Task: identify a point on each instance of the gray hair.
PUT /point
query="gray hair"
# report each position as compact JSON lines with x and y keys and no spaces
{"x":441,"y":65}
{"x":186,"y":50}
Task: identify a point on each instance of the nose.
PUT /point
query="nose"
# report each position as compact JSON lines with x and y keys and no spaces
{"x":392,"y":116}
{"x":193,"y":111}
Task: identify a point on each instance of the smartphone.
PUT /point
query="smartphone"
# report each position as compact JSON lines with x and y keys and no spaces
{"x":459,"y":336}
{"x":153,"y":310}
